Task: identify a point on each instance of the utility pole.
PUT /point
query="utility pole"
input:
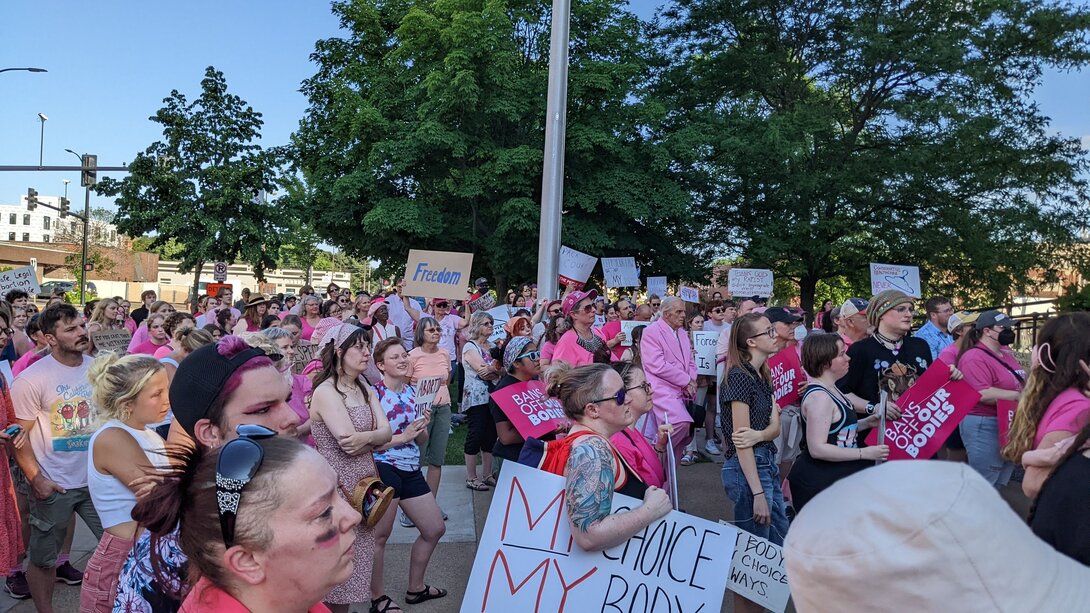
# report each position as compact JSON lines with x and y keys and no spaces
{"x":88,"y":174}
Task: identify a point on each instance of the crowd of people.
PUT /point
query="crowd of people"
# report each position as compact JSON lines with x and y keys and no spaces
{"x":257,"y":454}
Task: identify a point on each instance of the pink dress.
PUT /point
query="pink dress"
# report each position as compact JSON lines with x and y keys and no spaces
{"x":11,"y":535}
{"x":350,"y":469}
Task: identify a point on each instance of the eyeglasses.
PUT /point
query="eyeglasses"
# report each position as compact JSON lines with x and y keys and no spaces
{"x":618,"y":397}
{"x":656,"y":304}
{"x":645,"y":386}
{"x":770,"y":333}
{"x":587,"y":308}
{"x":554,"y":311}
{"x":238,"y":462}
{"x":7,"y":331}
{"x":343,"y":301}
{"x":533,"y":355}
{"x":432,"y":330}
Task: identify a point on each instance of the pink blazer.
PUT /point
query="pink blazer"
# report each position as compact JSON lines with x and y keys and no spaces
{"x":669,"y":365}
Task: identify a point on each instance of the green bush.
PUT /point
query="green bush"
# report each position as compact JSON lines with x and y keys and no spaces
{"x":1074,"y":299}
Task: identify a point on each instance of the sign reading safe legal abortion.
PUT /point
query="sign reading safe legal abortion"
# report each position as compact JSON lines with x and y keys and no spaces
{"x":930,"y":410}
{"x":438,"y":274}
{"x":527,"y":561}
{"x":786,"y":373}
{"x":24,"y":278}
{"x":531,"y":411}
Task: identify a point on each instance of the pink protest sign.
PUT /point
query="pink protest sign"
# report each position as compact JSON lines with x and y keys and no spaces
{"x":786,"y":374}
{"x":930,"y":410}
{"x":531,"y":412}
{"x":1004,"y":410}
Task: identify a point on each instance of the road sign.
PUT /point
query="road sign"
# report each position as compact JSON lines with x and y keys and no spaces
{"x":219,"y":272}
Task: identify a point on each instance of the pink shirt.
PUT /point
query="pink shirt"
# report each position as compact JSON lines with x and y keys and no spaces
{"x":640,"y":455}
{"x":25,"y":360}
{"x":206,"y":597}
{"x":547,"y":350}
{"x":423,"y":365}
{"x":1068,"y":412}
{"x":569,"y":351}
{"x":147,"y":347}
{"x":163,"y":351}
{"x":301,"y":387}
{"x":610,"y":331}
{"x":949,"y":354}
{"x":982,"y":370}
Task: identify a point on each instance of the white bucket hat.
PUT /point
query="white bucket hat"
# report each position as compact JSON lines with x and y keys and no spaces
{"x":919,"y":535}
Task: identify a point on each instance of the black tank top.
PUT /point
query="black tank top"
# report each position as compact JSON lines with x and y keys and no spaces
{"x":842,"y":432}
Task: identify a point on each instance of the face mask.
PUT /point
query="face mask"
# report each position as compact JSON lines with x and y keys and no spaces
{"x":1006,"y":337}
{"x":800,"y":332}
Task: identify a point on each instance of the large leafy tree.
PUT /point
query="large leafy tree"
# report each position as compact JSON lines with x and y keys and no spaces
{"x":426,"y":128}
{"x":821,"y":135}
{"x":202,"y":186}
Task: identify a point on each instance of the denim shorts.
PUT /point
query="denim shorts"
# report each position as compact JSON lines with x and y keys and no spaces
{"x":734,"y":482}
{"x":981,"y":436}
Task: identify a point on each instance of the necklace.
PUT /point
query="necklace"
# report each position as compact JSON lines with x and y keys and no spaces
{"x":893,"y":345}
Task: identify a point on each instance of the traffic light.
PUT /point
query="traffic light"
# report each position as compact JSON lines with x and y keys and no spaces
{"x":89,"y":176}
{"x":64,"y":207}
{"x":31,"y":198}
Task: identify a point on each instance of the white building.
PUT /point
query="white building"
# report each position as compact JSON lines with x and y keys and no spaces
{"x":44,"y":225}
{"x":284,"y":280}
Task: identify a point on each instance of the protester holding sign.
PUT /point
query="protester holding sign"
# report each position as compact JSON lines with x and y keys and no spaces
{"x":614,"y":329}
{"x":830,"y":449}
{"x":644,"y":458}
{"x":988,"y":365}
{"x":521,"y":363}
{"x":790,"y":333}
{"x":583,"y":343}
{"x":671,"y":370}
{"x":480,"y":371}
{"x":1056,"y":403}
{"x":427,"y":360}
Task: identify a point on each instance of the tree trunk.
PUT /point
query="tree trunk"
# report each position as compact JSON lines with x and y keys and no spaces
{"x":807,"y":290}
{"x":196,"y":286}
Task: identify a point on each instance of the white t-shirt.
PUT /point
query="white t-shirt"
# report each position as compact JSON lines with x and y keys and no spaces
{"x":448,"y":331}
{"x":58,"y":399}
{"x":711,"y":326}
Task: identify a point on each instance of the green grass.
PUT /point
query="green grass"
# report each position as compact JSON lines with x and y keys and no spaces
{"x":455,"y":445}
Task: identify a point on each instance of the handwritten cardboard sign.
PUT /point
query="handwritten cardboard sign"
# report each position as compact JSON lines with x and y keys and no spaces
{"x":437,"y":274}
{"x":1004,"y":410}
{"x":930,"y":410}
{"x":656,"y":286}
{"x":621,"y":272}
{"x":704,"y":352}
{"x":575,"y":267}
{"x":786,"y":374}
{"x":746,"y":282}
{"x":895,"y":276}
{"x":689,"y":294}
{"x":531,"y":411}
{"x":500,"y":315}
{"x":527,"y":560}
{"x":758,"y":573}
{"x":627,"y":327}
{"x":484,"y":302}
{"x":304,"y":354}
{"x":24,"y":278}
{"x":116,"y":341}
{"x":426,"y":389}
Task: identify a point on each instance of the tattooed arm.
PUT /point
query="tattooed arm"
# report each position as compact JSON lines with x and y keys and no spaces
{"x":589,"y":494}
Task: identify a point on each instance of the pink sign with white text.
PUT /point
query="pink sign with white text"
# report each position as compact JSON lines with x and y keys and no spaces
{"x":930,"y":410}
{"x":1004,"y":410}
{"x":786,"y":374}
{"x":531,"y":411}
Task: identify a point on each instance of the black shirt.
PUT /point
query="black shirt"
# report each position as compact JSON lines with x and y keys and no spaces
{"x":1062,"y":516}
{"x":744,"y":384}
{"x":139,"y":315}
{"x":507,"y":452}
{"x":871,"y":360}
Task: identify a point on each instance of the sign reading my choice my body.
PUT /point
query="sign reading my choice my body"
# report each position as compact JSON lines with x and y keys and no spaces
{"x":438,"y":274}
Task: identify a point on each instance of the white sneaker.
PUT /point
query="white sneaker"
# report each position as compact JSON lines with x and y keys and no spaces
{"x":711,"y":448}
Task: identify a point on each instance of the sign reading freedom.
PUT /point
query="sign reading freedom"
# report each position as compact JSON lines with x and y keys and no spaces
{"x":527,"y":561}
{"x":437,"y":274}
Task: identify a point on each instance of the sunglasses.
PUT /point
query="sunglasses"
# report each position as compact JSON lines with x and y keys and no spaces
{"x":343,"y":301}
{"x":554,"y":311}
{"x":238,"y":462}
{"x":717,"y":310}
{"x":770,"y":333}
{"x":533,"y":355}
{"x":655,"y":304}
{"x":442,"y":305}
{"x":587,"y":308}
{"x":618,"y":397}
{"x":7,"y":331}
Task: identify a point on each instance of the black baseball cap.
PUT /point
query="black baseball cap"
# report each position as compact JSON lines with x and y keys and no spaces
{"x":781,"y":314}
{"x":481,"y":282}
{"x":200,"y":379}
{"x":992,"y":318}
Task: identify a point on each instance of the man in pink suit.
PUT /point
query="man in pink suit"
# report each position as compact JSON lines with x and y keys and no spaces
{"x":671,"y":370}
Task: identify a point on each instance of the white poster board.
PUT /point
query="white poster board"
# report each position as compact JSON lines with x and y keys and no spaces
{"x":116,"y":341}
{"x":426,"y":390}
{"x":627,"y":327}
{"x":575,"y":267}
{"x":528,"y":562}
{"x":895,"y":276}
{"x":621,"y":272}
{"x":656,"y":286}
{"x":24,"y":278}
{"x":689,"y":294}
{"x":500,"y":315}
{"x":746,"y":282}
{"x":704,"y":351}
{"x":757,"y":571}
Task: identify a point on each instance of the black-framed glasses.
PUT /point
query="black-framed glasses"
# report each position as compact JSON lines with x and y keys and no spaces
{"x":7,"y":331}
{"x":770,"y":333}
{"x":533,"y":355}
{"x":238,"y":462}
{"x":656,"y":304}
{"x":442,"y":305}
{"x":717,"y":310}
{"x":554,"y":311}
{"x":618,"y":397}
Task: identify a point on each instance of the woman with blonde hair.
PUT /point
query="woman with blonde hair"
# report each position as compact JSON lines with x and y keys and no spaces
{"x":104,"y":317}
{"x":130,"y":392}
{"x":480,"y":371}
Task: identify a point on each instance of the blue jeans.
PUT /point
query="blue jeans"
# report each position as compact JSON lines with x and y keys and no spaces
{"x":981,"y":437}
{"x":734,"y":482}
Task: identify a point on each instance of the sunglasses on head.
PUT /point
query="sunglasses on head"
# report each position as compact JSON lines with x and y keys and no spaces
{"x":238,"y":462}
{"x":618,"y":397}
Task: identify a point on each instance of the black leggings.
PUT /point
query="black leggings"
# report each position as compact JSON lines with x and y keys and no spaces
{"x":482,"y":430}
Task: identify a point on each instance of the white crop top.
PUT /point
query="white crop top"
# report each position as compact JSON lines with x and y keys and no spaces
{"x":112,"y":499}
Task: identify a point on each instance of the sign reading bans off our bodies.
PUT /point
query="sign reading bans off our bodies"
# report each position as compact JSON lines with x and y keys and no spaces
{"x":528,"y":562}
{"x":438,"y":274}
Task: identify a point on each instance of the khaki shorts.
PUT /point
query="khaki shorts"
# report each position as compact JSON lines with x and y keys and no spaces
{"x":789,"y":441}
{"x":434,"y":450}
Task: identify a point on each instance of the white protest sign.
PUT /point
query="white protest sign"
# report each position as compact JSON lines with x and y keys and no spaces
{"x":426,"y":389}
{"x":483,"y":302}
{"x":627,"y":327}
{"x":500,"y":315}
{"x":746,"y":282}
{"x":527,"y":560}
{"x":575,"y":267}
{"x":704,"y":352}
{"x":24,"y":278}
{"x":757,"y":572}
{"x":656,"y":286}
{"x":689,"y":294}
{"x":621,"y":272}
{"x":437,"y":274}
{"x":895,"y":276}
{"x":112,"y":340}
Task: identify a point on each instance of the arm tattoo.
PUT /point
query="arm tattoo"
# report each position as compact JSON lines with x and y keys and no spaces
{"x":589,"y":489}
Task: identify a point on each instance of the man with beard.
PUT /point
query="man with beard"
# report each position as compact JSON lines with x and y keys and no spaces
{"x":934,"y":332}
{"x":55,"y":461}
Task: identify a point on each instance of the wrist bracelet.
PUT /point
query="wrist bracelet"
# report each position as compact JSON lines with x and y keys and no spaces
{"x":760,"y":493}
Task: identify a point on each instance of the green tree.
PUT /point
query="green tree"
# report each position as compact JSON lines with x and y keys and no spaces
{"x":202,"y":186}
{"x":821,"y":136}
{"x":426,"y":127}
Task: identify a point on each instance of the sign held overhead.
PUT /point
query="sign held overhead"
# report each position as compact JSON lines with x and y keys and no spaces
{"x":438,"y":274}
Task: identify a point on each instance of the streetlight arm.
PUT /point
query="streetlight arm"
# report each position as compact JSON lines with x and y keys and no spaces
{"x":26,"y":69}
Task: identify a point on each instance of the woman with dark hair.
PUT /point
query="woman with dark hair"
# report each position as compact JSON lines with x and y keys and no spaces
{"x":226,"y":320}
{"x":824,"y":320}
{"x":215,"y":330}
{"x":520,"y":363}
{"x":251,"y":318}
{"x":1060,"y":515}
{"x":261,"y":522}
{"x":270,"y":321}
{"x":331,"y":308}
{"x":348,"y":424}
{"x":644,"y":458}
{"x":554,"y":329}
{"x":171,"y":325}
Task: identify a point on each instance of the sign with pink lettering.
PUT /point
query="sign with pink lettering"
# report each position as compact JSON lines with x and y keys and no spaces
{"x":1004,"y":410}
{"x":527,"y":560}
{"x":930,"y":410}
{"x":786,"y":374}
{"x":531,"y":411}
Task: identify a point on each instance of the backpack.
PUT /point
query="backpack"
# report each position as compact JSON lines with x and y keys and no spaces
{"x":552,"y":456}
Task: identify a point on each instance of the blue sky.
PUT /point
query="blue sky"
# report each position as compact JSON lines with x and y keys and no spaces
{"x":111,"y":64}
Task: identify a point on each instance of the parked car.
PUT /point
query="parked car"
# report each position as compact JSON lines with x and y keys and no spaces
{"x":49,"y":288}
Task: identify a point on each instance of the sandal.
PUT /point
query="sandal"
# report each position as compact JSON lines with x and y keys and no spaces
{"x":490,"y":480}
{"x":688,"y":459}
{"x":424,"y":595}
{"x":387,"y":605}
{"x":476,"y":485}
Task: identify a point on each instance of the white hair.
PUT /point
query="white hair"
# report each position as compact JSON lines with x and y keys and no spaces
{"x":668,"y":301}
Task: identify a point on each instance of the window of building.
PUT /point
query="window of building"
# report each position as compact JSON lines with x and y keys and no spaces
{"x":26,"y":237}
{"x":45,"y":239}
{"x":12,"y":219}
{"x":26,"y":219}
{"x":45,"y":223}
{"x":11,"y":236}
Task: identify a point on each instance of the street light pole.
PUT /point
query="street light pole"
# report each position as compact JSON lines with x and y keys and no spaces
{"x":41,"y":142}
{"x":86,"y":218}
